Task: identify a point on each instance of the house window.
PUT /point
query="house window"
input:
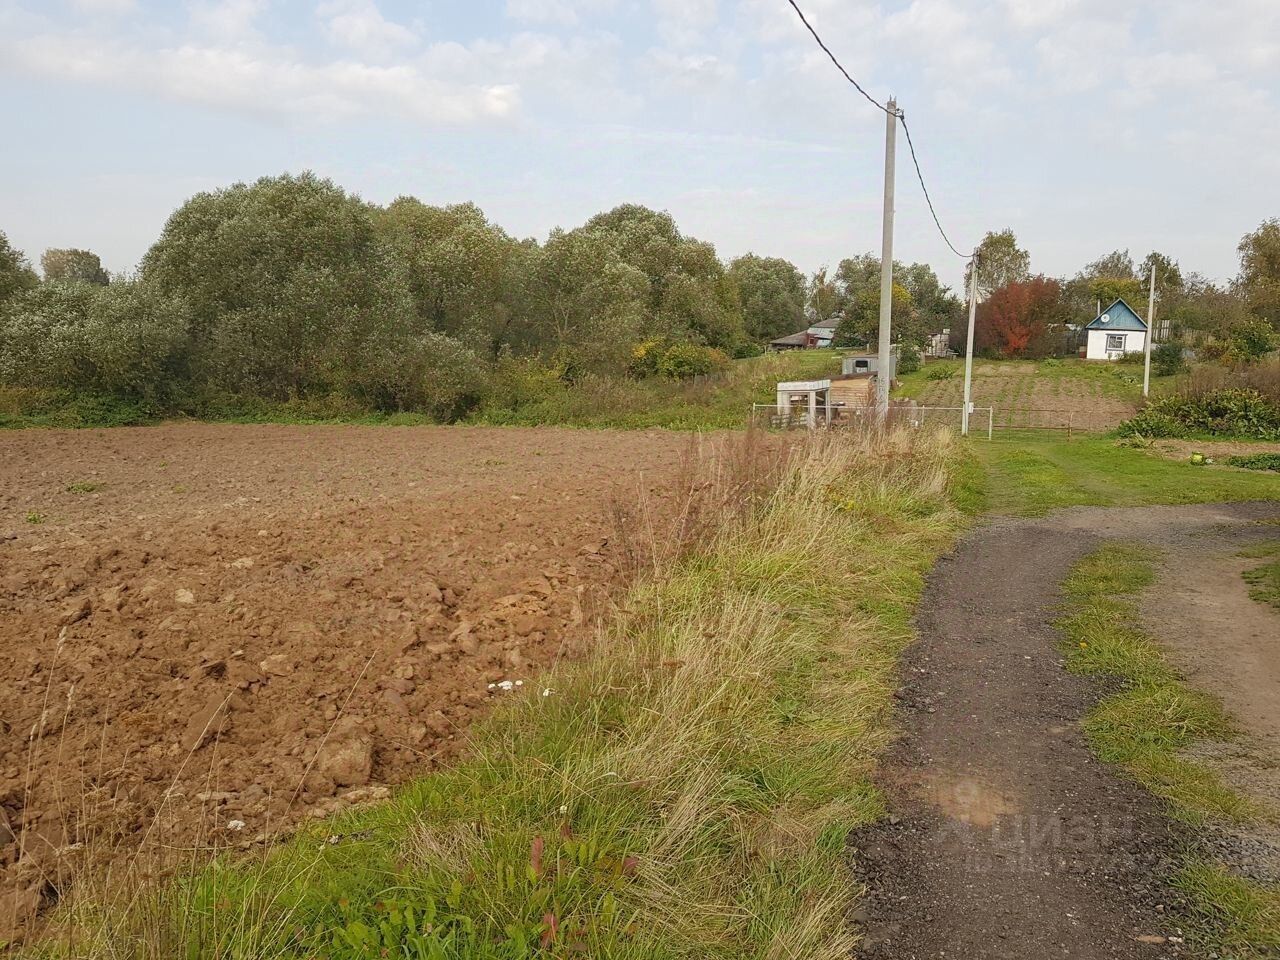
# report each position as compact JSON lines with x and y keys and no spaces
{"x":1115,"y":341}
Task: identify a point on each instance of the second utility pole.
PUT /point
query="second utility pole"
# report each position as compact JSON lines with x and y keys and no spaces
{"x":886,"y":263}
{"x":968,"y":346}
{"x":1151,"y":332}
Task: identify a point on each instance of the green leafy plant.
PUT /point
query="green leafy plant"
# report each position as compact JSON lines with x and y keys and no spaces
{"x":1256,"y":461}
{"x":1231,"y":411}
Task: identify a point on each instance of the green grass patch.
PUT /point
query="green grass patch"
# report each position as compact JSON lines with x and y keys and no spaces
{"x":685,"y":792}
{"x":716,"y":402}
{"x":1145,"y":727}
{"x":1239,"y":917}
{"x":1264,"y":580}
{"x":1030,"y":474}
{"x":514,"y":396}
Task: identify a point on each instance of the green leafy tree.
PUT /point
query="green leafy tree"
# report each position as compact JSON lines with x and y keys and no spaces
{"x":1259,"y":279}
{"x":860,"y":321}
{"x":689,"y":295}
{"x":1169,"y":279}
{"x":772,"y":293}
{"x":928,"y":307}
{"x":465,"y":273}
{"x":16,"y":274}
{"x":1000,"y":262}
{"x":585,"y":301}
{"x":81,"y":266}
{"x":823,"y":296}
{"x":128,"y":340}
{"x":291,"y":287}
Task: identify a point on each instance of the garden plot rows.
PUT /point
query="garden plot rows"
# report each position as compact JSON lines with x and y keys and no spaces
{"x":210,"y":632}
{"x":1029,"y":395}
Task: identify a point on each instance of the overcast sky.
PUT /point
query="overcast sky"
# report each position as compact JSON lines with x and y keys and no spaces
{"x":1085,"y":125}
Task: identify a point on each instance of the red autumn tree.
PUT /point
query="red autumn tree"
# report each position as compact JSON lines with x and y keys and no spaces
{"x":1018,"y":318}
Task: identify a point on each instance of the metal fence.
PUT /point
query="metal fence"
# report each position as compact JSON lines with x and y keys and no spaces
{"x":981,"y":419}
{"x":1068,"y":421}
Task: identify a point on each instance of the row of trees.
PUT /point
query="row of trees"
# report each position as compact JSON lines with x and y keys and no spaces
{"x":291,"y":287}
{"x":1026,"y":315}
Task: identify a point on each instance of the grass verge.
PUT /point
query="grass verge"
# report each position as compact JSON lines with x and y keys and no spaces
{"x":1031,"y":474}
{"x":1264,"y":580}
{"x":1144,"y":727}
{"x":720,"y":401}
{"x":686,"y":792}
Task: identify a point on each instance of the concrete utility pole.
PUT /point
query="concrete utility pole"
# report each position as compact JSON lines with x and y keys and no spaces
{"x":1151,"y":332}
{"x":886,"y":260}
{"x":968,"y":346}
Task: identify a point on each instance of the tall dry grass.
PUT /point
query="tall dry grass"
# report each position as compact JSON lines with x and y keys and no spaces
{"x":685,"y":791}
{"x":1262,"y":376}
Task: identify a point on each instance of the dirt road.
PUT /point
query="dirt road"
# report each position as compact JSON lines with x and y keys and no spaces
{"x":208,"y":632}
{"x":1007,"y":839}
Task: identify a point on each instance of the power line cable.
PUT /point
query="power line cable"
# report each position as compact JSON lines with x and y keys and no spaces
{"x":885,"y":109}
{"x":927,"y":198}
{"x":839,"y":66}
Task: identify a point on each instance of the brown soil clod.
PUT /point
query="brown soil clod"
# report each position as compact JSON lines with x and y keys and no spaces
{"x":285,"y":618}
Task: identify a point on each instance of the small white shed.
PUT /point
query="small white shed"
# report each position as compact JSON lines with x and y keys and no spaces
{"x":813,"y":396}
{"x":1114,"y":332}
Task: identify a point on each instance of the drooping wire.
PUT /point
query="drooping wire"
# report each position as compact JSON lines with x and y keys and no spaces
{"x":927,"y":198}
{"x":839,"y":66}
{"x":885,"y":109}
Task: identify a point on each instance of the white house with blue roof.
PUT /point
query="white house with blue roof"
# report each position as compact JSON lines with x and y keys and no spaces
{"x":1114,"y":332}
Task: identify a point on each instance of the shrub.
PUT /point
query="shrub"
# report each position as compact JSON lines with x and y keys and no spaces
{"x":1251,"y":340}
{"x":430,"y":373}
{"x":1167,"y":359}
{"x":746,"y":350}
{"x":684,"y":360}
{"x":674,"y":361}
{"x":1257,"y":461}
{"x":908,"y":359}
{"x":127,"y":340}
{"x":1237,"y":412}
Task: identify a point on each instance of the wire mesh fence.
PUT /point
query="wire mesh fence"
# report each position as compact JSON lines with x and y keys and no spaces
{"x":981,"y":419}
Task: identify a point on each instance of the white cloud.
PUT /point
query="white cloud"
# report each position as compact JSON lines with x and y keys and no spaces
{"x":228,"y":20}
{"x":691,"y":69}
{"x":566,"y":13}
{"x":359,"y":25}
{"x":683,"y":22}
{"x":953,"y":49}
{"x":271,"y":82}
{"x":110,"y":7}
{"x":1038,"y":13}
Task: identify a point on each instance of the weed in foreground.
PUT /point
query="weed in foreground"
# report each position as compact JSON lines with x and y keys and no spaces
{"x":686,"y":791}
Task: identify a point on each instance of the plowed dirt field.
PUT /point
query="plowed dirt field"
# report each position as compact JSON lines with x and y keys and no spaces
{"x":210,"y":632}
